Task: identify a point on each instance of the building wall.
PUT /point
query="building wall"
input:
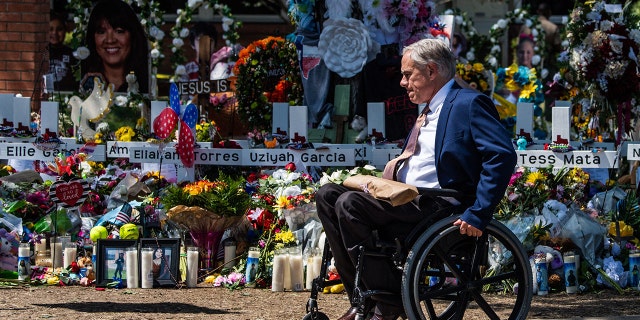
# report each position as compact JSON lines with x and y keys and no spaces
{"x":24,"y":27}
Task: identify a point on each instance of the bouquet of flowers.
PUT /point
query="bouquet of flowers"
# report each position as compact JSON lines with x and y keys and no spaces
{"x":476,"y":76}
{"x":603,"y":42}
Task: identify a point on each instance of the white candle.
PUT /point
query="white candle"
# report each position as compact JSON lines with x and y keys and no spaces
{"x":280,"y":263}
{"x":146,"y":262}
{"x":192,"y":266}
{"x":570,"y":273}
{"x":287,"y":273}
{"x":131,"y":265}
{"x":57,"y":258}
{"x":297,"y":270}
{"x":229,"y":254}
{"x":24,"y":261}
{"x":21,"y":111}
{"x":70,"y":252}
{"x":49,"y":117}
{"x":315,"y":265}
{"x":40,"y":247}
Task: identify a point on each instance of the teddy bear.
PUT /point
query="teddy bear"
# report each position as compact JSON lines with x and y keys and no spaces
{"x":87,"y":274}
{"x":332,"y":274}
{"x":9,"y":243}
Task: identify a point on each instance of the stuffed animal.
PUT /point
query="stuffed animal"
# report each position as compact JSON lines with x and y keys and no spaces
{"x":332,"y":274}
{"x":9,"y":243}
{"x":87,"y":274}
{"x":92,"y":109}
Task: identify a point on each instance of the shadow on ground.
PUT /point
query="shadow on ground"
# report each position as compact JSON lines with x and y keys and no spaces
{"x":118,"y":307}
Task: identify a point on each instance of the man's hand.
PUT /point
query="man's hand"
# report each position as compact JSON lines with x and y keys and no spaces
{"x":467,"y":229}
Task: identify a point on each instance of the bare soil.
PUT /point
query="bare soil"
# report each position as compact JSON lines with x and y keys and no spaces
{"x":207,"y":302}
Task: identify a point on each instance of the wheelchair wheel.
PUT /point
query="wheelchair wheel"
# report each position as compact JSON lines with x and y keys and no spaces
{"x":447,"y":274}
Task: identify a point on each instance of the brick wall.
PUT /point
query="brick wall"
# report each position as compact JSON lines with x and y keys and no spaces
{"x":24,"y":27}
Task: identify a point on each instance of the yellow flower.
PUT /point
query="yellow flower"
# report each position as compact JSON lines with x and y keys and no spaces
{"x":125,"y":134}
{"x":625,"y":230}
{"x":528,"y":90}
{"x":282,"y":202}
{"x":285,"y":237}
{"x":535,"y":177}
{"x":478,"y":67}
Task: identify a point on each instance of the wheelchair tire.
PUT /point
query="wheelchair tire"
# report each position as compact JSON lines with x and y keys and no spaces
{"x":316,"y":316}
{"x":446,"y":274}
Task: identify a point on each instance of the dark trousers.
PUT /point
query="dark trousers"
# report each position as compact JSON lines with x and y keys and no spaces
{"x":348,"y":217}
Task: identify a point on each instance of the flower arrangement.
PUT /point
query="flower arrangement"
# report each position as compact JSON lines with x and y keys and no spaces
{"x":476,"y":76}
{"x":288,"y":187}
{"x":603,"y":41}
{"x":521,"y":17}
{"x":231,"y":281}
{"x":179,"y":31}
{"x":338,"y":176}
{"x":206,"y":131}
{"x":270,"y":66}
{"x":478,"y":44}
{"x":530,"y":188}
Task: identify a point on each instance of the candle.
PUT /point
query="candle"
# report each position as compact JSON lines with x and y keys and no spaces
{"x":192,"y":266}
{"x":24,"y":260}
{"x":280,"y":263}
{"x":287,"y":272}
{"x":229,"y":254}
{"x":57,"y":258}
{"x":252,"y":266}
{"x":297,"y":269}
{"x":146,"y":262}
{"x":315,"y":264}
{"x":40,"y":246}
{"x":70,"y":253}
{"x":570,"y":273}
{"x":634,"y":269}
{"x":542,"y":278}
{"x":131,"y":265}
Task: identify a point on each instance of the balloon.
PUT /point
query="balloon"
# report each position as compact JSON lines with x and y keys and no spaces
{"x":174,"y":98}
{"x":164,"y":123}
{"x":97,"y":233}
{"x":190,"y":115}
{"x":186,"y":144}
{"x":129,"y":231}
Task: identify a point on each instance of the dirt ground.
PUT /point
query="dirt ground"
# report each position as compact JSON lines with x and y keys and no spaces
{"x":206,"y":302}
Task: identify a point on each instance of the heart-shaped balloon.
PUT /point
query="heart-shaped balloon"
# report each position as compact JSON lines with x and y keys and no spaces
{"x":185,"y":145}
{"x":164,"y":123}
{"x":69,"y":194}
{"x":190,"y":115}
{"x":174,"y":98}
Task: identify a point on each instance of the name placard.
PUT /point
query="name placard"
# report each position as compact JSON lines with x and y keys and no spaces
{"x":312,"y":157}
{"x":582,"y":159}
{"x":120,"y":149}
{"x":210,"y":156}
{"x":382,"y":156}
{"x":205,"y":86}
{"x":28,"y":151}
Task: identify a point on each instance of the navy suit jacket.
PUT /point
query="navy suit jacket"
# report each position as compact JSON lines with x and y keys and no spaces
{"x":474,"y":152}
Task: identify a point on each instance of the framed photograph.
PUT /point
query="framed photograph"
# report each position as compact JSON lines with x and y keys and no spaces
{"x":111,"y":260}
{"x":165,"y":260}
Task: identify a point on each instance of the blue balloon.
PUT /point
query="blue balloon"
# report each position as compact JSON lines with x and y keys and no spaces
{"x":190,"y":115}
{"x":174,"y":98}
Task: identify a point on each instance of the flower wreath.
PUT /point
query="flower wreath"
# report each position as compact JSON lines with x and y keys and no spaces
{"x":518,"y":16}
{"x":477,"y":44}
{"x":267,"y":71}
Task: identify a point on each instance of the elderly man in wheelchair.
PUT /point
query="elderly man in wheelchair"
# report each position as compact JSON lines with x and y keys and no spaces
{"x":397,"y":261}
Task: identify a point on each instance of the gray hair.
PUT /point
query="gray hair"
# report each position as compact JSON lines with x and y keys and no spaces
{"x":435,"y":51}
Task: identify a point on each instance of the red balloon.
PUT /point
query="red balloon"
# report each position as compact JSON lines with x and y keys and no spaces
{"x":186,"y":144}
{"x":164,"y":123}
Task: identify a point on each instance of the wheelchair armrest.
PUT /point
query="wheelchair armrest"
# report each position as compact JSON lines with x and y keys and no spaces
{"x":439,"y":192}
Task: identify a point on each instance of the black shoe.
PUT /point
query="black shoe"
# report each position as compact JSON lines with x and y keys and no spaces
{"x":385,"y":311}
{"x":350,"y":314}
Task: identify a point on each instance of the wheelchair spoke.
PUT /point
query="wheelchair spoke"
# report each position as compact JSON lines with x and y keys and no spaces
{"x":482,"y":303}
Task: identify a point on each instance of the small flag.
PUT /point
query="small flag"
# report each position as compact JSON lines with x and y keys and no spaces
{"x":124,"y":216}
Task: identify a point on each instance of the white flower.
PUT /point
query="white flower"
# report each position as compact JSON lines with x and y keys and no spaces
{"x":178,"y":43}
{"x":184,"y":32}
{"x":493,"y":62}
{"x":635,"y":35}
{"x":143,"y":22}
{"x":502,"y":23}
{"x":528,"y":23}
{"x":606,"y":25}
{"x":155,"y":53}
{"x":181,"y":70}
{"x":156,"y":33}
{"x":291,"y":191}
{"x":544,"y":73}
{"x":193,"y":3}
{"x":81,"y":53}
{"x":495,"y":49}
{"x":471,"y":56}
{"x":345,"y":46}
{"x":535,"y":60}
{"x":121,"y":101}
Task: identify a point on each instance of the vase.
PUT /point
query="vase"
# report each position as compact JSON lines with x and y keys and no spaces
{"x":207,"y":243}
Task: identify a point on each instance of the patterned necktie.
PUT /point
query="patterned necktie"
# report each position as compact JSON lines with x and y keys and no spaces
{"x":391,"y":169}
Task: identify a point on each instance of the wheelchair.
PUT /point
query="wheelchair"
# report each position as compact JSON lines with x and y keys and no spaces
{"x":445,"y":274}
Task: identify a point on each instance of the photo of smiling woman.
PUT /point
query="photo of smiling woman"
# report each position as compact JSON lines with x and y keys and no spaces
{"x":117,"y":46}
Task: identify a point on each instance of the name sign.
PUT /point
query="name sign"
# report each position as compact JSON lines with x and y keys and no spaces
{"x":247,"y":157}
{"x":28,"y":151}
{"x":205,"y":86}
{"x":633,"y":151}
{"x":582,"y":159}
{"x":120,"y":149}
{"x":167,"y":155}
{"x":382,"y":156}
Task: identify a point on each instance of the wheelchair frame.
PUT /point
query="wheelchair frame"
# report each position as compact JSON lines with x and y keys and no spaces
{"x":439,"y":264}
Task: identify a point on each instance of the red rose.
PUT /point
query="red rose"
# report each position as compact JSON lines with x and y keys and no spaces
{"x":291,"y":167}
